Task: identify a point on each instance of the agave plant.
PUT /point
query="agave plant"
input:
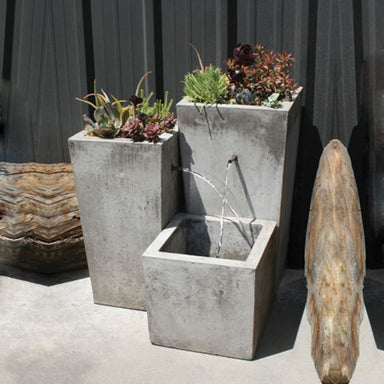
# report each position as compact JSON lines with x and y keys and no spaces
{"x":109,"y":116}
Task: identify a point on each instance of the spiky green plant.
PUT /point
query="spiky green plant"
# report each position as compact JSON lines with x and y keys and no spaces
{"x":206,"y":86}
{"x":159,"y":107}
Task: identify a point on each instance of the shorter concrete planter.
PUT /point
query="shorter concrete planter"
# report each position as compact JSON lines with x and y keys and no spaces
{"x":201,"y":303}
{"x":127,"y":193}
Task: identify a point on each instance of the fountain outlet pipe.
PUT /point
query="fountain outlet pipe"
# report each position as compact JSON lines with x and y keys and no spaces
{"x":232,"y":159}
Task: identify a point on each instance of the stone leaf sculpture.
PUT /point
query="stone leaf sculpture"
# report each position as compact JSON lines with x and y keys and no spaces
{"x":335,"y":267}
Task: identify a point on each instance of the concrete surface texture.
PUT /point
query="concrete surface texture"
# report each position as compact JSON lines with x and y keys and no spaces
{"x":127,"y":193}
{"x":52,"y":332}
{"x":260,"y":182}
{"x":257,"y":135}
{"x":209,"y":304}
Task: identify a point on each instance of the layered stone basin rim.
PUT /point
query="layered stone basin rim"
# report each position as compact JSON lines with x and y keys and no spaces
{"x":162,"y":246}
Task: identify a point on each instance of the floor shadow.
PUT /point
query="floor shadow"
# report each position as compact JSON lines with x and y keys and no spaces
{"x":42,"y":278}
{"x":374,"y":302}
{"x":287,"y":310}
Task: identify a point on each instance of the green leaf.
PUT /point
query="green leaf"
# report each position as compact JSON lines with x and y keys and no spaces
{"x":86,"y":101}
{"x":95,"y":93}
{"x":140,"y":81}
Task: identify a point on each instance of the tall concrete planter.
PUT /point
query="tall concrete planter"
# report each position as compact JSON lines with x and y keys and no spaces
{"x":265,"y":141}
{"x":203,"y":303}
{"x":127,"y":193}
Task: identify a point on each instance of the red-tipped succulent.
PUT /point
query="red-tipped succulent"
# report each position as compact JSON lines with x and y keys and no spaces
{"x":133,"y":129}
{"x":152,"y":132}
{"x":255,"y":75}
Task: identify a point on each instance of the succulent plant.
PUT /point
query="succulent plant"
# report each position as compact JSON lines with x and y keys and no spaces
{"x":260,"y":71}
{"x":208,"y":86}
{"x":133,"y":129}
{"x":254,"y":76}
{"x":152,"y":132}
{"x":159,"y":107}
{"x":243,"y":55}
{"x":272,"y":101}
{"x":109,"y":116}
{"x":138,"y":121}
{"x":245,"y":96}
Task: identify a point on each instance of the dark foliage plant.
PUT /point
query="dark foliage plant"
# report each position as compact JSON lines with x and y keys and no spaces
{"x":254,"y":75}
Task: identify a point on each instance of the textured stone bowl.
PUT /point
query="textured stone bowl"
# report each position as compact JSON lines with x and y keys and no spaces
{"x":40,"y":227}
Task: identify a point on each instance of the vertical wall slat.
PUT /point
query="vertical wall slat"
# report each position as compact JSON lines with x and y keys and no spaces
{"x":48,"y":71}
{"x":199,"y":22}
{"x":372,"y":101}
{"x":3,"y":82}
{"x":335,"y":112}
{"x":123,"y":41}
{"x":280,"y":26}
{"x":3,"y":11}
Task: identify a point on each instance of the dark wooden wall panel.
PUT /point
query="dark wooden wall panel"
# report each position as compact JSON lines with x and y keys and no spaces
{"x":5,"y":39}
{"x":3,"y":11}
{"x":280,"y":26}
{"x":47,"y":73}
{"x":200,"y":22}
{"x":123,"y":41}
{"x":335,"y":112}
{"x":373,"y":30}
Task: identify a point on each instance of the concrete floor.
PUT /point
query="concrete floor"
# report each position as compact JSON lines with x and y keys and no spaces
{"x":51,"y":332}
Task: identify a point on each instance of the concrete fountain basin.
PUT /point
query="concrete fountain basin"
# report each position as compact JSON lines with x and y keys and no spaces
{"x":199,"y":302}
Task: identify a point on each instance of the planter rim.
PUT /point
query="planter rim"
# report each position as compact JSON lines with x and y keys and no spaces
{"x":253,"y":259}
{"x":82,"y":136}
{"x":286,"y":105}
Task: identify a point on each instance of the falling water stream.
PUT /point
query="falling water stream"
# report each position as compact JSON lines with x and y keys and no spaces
{"x":220,"y":242}
{"x":225,"y":202}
